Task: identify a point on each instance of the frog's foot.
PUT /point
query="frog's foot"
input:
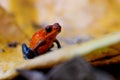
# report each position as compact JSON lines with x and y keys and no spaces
{"x":27,"y":52}
{"x":58,"y":43}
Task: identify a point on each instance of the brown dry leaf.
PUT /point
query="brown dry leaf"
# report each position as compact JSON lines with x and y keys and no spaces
{"x":9,"y":28}
{"x":90,"y":50}
{"x":25,"y":13}
{"x":14,"y":31}
{"x":9,"y":32}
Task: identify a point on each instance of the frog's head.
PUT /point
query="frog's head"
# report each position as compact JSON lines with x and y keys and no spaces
{"x":55,"y":28}
{"x":52,"y":31}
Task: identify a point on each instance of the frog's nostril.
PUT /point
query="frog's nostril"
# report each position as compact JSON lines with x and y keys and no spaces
{"x":57,"y":26}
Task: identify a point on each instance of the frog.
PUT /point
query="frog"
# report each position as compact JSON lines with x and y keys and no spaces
{"x":42,"y":41}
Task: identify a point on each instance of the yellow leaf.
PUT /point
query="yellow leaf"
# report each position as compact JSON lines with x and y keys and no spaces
{"x":25,"y":13}
{"x":9,"y":29}
{"x":92,"y":48}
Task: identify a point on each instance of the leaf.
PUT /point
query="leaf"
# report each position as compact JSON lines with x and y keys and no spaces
{"x":9,"y":32}
{"x":25,"y":14}
{"x":9,"y":28}
{"x":15,"y":27}
{"x":53,"y":58}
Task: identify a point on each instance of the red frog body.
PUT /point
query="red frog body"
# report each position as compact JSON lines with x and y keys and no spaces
{"x":42,"y":41}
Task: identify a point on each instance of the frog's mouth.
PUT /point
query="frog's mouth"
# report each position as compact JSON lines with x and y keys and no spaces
{"x":57,"y":27}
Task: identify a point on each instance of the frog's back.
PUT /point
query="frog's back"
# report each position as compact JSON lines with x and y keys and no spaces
{"x":40,"y":35}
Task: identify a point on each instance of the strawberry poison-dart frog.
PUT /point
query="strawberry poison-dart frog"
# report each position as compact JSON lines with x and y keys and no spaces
{"x":42,"y":41}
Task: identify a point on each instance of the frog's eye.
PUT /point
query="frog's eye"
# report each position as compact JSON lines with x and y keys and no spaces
{"x":48,"y":29}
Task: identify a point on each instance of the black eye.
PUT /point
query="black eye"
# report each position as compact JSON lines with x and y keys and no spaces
{"x":48,"y":29}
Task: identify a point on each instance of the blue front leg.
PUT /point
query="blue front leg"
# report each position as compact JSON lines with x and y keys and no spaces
{"x":27,"y":52}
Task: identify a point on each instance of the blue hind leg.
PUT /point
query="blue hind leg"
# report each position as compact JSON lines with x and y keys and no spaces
{"x":27,"y":52}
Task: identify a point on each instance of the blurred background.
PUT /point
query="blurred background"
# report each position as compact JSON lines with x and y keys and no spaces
{"x":86,"y":18}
